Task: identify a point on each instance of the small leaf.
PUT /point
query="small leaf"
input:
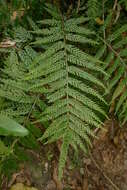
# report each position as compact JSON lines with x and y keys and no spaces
{"x":99,"y":21}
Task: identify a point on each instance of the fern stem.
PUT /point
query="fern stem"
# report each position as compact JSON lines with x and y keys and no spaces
{"x":31,"y":109}
{"x":66,"y":62}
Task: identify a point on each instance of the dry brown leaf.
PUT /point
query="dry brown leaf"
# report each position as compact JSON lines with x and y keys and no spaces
{"x":116,"y":140}
{"x":51,"y":185}
{"x":7,"y":43}
{"x":78,"y":188}
{"x":87,"y":161}
{"x":14,"y":178}
{"x":14,"y":16}
{"x":99,"y":21}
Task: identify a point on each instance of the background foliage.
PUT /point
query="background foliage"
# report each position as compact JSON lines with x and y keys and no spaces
{"x":62,"y":67}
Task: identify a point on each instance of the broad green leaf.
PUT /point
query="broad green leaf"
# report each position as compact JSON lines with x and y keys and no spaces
{"x":10,"y":127}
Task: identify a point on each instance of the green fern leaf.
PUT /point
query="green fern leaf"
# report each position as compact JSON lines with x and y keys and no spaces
{"x":69,"y":76}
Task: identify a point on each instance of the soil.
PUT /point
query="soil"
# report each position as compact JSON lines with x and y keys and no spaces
{"x":104,"y":169}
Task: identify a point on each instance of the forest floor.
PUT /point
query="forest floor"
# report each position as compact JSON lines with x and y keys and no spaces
{"x":104,"y":169}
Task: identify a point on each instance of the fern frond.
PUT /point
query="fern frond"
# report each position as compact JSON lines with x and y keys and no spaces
{"x":93,"y":10}
{"x":12,"y":88}
{"x":83,"y":87}
{"x":46,"y":31}
{"x":50,"y":22}
{"x":117,"y":33}
{"x":78,"y":29}
{"x":65,"y":70}
{"x":85,"y":75}
{"x":77,"y":21}
{"x":80,"y":39}
{"x":114,"y":55}
{"x":121,"y":101}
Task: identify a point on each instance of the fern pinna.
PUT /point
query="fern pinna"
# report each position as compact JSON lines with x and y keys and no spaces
{"x":114,"y":54}
{"x":65,"y":74}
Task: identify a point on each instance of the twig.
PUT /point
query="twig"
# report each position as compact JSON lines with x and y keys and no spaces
{"x":106,"y":177}
{"x":103,"y":19}
{"x":78,"y":6}
{"x":14,"y":143}
{"x":31,"y":109}
{"x":115,"y":4}
{"x":117,"y":13}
